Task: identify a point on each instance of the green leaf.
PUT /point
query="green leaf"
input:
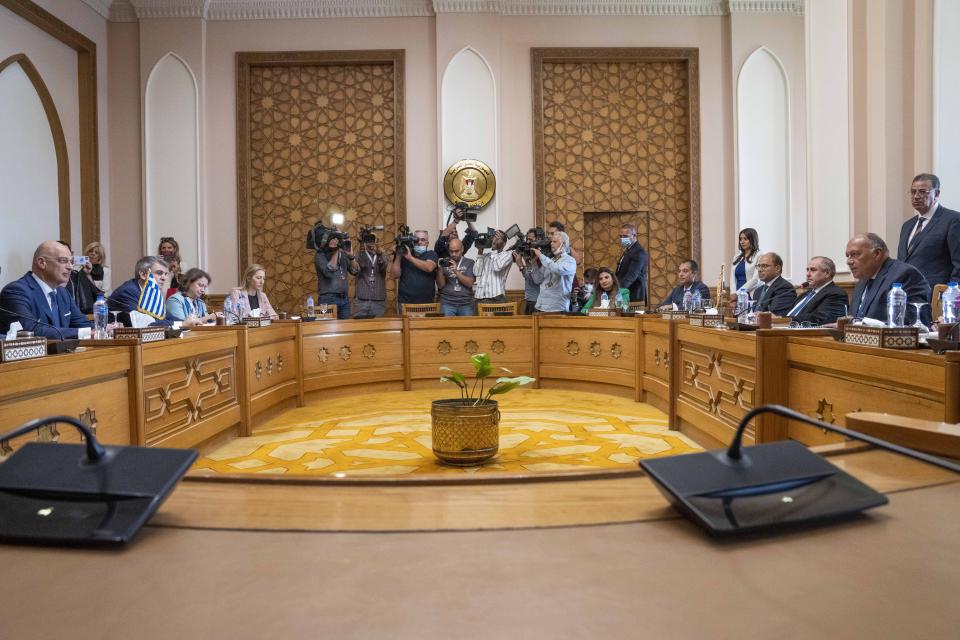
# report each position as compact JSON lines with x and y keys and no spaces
{"x":454,"y":377}
{"x":504,"y":385}
{"x":481,"y":362}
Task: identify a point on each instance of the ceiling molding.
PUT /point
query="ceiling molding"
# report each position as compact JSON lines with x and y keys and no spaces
{"x":133,"y":10}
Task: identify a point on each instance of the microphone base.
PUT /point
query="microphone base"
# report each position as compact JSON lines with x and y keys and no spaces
{"x":772,"y":486}
{"x":61,"y":346}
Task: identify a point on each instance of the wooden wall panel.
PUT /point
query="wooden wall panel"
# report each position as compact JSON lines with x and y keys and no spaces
{"x":617,"y":130}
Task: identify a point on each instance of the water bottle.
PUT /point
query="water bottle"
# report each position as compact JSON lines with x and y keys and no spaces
{"x":896,"y":305}
{"x":687,"y":301}
{"x":310,"y":312}
{"x":949,"y":302}
{"x":100,"y":315}
{"x":604,"y":300}
{"x":696,"y":301}
{"x":743,"y":304}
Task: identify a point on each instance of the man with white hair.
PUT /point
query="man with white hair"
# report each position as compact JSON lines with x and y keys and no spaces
{"x":557,"y":271}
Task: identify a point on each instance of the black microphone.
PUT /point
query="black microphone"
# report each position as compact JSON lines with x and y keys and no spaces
{"x":35,"y":321}
{"x":767,"y":486}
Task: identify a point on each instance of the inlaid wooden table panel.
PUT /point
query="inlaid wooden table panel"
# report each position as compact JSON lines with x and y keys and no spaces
{"x":346,"y":353}
{"x":272,"y":365}
{"x":90,"y":384}
{"x":656,"y":340}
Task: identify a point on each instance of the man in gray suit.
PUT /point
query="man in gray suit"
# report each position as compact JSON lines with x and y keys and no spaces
{"x":870,"y":263}
{"x":930,"y":240}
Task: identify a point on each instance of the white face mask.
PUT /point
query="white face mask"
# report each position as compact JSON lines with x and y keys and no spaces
{"x":419,"y":249}
{"x":625,"y":242}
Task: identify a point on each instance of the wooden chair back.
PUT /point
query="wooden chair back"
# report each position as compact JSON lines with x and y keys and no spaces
{"x":935,"y":300}
{"x":497,"y":309}
{"x":418,"y":310}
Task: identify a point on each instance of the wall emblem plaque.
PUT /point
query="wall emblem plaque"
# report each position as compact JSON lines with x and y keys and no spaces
{"x":469,"y":182}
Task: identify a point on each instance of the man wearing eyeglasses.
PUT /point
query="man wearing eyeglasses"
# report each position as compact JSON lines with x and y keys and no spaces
{"x":930,"y":240}
{"x":774,"y":294}
{"x":126,"y":298}
{"x":39,"y":301}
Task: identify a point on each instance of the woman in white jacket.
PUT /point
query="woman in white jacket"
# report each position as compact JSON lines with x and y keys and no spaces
{"x":744,"y":265}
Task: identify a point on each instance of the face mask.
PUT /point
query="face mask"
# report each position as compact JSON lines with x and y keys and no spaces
{"x":625,"y":242}
{"x":419,"y":249}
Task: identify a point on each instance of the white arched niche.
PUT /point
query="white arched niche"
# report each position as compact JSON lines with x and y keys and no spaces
{"x":468,"y":121}
{"x":30,"y":202}
{"x":763,"y":152}
{"x":171,"y":158}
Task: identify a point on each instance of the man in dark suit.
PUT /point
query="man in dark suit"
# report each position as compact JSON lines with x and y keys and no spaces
{"x":870,"y":263}
{"x":126,"y":297}
{"x":774,"y":294}
{"x":632,"y":267}
{"x":39,"y":301}
{"x":930,"y":240}
{"x":823,"y":301}
{"x":688,"y":279}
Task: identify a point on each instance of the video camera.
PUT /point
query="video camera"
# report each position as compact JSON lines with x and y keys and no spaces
{"x":526,"y":247}
{"x":320,"y":235}
{"x":367,"y":235}
{"x":485,"y":240}
{"x":404,"y":239}
{"x":460,"y":211}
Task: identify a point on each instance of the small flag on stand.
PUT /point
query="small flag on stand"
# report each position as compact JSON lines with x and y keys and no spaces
{"x":151,"y":299}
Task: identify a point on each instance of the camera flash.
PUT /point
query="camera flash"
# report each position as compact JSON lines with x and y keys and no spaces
{"x":337,"y":218}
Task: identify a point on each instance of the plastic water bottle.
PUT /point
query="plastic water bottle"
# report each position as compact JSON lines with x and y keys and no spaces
{"x":604,"y":300}
{"x":743,"y":304}
{"x":229,"y":312}
{"x":100,"y":316}
{"x":896,"y":305}
{"x":687,"y":301}
{"x":310,"y":312}
{"x":696,"y":301}
{"x":949,"y":302}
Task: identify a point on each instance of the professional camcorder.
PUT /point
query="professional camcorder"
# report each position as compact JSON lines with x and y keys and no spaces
{"x":404,"y":239}
{"x":320,"y":235}
{"x":466,"y":213}
{"x":485,"y":240}
{"x":367,"y":235}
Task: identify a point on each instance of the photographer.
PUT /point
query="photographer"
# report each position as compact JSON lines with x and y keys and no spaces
{"x":449,"y":232}
{"x":492,"y":268}
{"x":532,"y":276}
{"x":557,"y":272}
{"x":371,"y":288}
{"x":413,"y":267}
{"x":455,"y":282}
{"x":333,"y":263}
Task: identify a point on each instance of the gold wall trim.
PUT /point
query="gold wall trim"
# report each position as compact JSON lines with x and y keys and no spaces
{"x":87,"y":97}
{"x":56,"y":131}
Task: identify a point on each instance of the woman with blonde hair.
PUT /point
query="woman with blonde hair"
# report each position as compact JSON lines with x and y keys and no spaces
{"x":99,"y":271}
{"x":249,"y":298}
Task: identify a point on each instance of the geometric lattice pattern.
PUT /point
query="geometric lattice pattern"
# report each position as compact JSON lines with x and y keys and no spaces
{"x":616,"y":138}
{"x":389,"y":434}
{"x":321,"y":139}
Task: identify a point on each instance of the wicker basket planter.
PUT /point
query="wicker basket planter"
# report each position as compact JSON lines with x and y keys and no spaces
{"x":464,"y":434}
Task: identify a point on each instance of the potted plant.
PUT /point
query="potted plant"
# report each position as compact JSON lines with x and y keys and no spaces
{"x":466,"y":429}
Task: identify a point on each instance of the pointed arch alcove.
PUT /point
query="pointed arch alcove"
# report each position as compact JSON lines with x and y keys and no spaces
{"x":763,"y":151}
{"x":171,"y":158}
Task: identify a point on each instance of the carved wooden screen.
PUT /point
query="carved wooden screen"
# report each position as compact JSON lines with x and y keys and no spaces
{"x":318,"y":132}
{"x":618,"y":130}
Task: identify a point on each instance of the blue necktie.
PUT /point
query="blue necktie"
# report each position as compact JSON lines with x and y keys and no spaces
{"x":802,"y":303}
{"x":55,"y":309}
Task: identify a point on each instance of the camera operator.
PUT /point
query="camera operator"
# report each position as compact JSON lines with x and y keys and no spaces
{"x":414,"y":270}
{"x":455,"y":282}
{"x":333,"y":263}
{"x":491,"y":269}
{"x":450,"y":231}
{"x":371,"y":287}
{"x":532,"y":277}
{"x":557,"y":272}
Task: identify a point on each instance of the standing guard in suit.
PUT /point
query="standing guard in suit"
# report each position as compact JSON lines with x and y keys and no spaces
{"x":632,"y":267}
{"x":688,"y":279}
{"x":930,"y":240}
{"x":870,"y":263}
{"x":39,"y":301}
{"x":774,"y":294}
{"x":824,"y":301}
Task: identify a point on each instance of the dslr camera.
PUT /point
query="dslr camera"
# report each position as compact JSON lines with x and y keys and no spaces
{"x":404,"y":239}
{"x":445,"y":263}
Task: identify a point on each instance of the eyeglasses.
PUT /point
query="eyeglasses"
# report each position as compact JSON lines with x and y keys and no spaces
{"x":921,"y":192}
{"x":60,"y":260}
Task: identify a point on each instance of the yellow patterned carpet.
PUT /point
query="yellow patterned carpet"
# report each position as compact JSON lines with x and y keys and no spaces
{"x":389,"y":434}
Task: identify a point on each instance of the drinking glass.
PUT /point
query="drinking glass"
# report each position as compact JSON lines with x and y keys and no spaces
{"x":919,"y":325}
{"x":113,"y":323}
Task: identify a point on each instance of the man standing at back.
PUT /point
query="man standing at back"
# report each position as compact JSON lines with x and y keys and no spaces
{"x":632,"y":267}
{"x":930,"y":240}
{"x":38,"y":300}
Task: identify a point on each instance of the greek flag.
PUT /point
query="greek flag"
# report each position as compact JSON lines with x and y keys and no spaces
{"x":151,"y":299}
